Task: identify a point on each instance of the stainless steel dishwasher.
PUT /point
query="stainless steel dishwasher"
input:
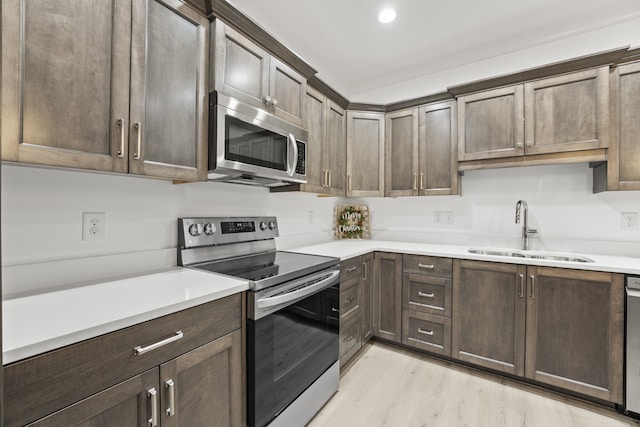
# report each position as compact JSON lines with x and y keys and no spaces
{"x":632,"y":399}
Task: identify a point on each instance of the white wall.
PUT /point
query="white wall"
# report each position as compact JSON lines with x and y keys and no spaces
{"x":562,"y":206}
{"x":42,"y":215}
{"x":42,"y":222}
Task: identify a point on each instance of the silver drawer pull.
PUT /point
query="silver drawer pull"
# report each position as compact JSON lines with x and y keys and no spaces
{"x":422,"y":331}
{"x":349,"y":300}
{"x":348,"y":340}
{"x":171,"y":389}
{"x":335,"y":310}
{"x":352,"y":268}
{"x":153,"y":395}
{"x":142,"y":350}
{"x":422,"y":294}
{"x":426,"y":266}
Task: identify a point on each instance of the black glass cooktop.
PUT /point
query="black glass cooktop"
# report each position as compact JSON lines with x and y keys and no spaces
{"x":269,"y":268}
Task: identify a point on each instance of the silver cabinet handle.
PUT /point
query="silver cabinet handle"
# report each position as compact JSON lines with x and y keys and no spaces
{"x":415,"y":182}
{"x":529,"y":143}
{"x":422,"y":294}
{"x":153,"y":396}
{"x":171,"y":389}
{"x":123,"y":134}
{"x":427,"y":266}
{"x":421,"y":180}
{"x":329,"y":176}
{"x":349,"y":188}
{"x":274,"y":102}
{"x":137,"y":351}
{"x":349,"y":300}
{"x":519,"y":145}
{"x":532,"y":292}
{"x":352,"y":268}
{"x":325,"y":178}
{"x":348,"y":340}
{"x":335,"y":310}
{"x":521,"y":293}
{"x":138,"y":152}
{"x":365,"y":266}
{"x":422,"y":331}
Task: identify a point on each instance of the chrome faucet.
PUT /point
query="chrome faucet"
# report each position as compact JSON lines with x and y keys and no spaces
{"x":522,"y":204}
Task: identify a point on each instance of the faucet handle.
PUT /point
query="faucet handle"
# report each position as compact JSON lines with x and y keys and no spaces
{"x":532,"y":231}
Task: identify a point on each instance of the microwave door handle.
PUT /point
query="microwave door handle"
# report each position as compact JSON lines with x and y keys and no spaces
{"x":293,"y":159}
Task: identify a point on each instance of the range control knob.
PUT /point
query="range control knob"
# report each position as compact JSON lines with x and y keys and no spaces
{"x":209,"y":229}
{"x":272,"y":225}
{"x":263,"y":225}
{"x":195,"y":229}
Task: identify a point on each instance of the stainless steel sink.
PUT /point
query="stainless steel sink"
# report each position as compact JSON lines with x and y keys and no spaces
{"x":497,"y":252}
{"x":517,"y":254}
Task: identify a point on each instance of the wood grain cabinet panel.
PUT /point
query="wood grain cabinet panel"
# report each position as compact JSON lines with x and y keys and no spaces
{"x":557,"y":326}
{"x":40,"y":385}
{"x":326,"y":149}
{"x":387,"y":296}
{"x":575,"y":327}
{"x":244,"y":70}
{"x":421,"y":151}
{"x":366,"y":303}
{"x":426,"y":332}
{"x":488,"y":323}
{"x":123,"y":91}
{"x":365,"y":154}
{"x":621,"y":171}
{"x":563,"y":114}
{"x":427,"y":294}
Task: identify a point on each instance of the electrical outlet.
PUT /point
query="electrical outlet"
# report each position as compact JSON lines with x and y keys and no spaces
{"x":447,"y":217}
{"x":437,"y":217}
{"x":93,"y":225}
{"x":629,"y":220}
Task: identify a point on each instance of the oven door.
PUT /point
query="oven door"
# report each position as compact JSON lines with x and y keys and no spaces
{"x":291,"y":345}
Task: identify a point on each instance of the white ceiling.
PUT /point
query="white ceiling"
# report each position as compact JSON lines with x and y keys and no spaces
{"x":354,"y":53}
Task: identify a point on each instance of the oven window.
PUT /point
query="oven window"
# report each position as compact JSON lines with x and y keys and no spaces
{"x":253,"y":145}
{"x":287,"y":351}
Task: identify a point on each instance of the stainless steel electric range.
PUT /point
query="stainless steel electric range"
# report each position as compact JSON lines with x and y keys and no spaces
{"x":292,"y":326}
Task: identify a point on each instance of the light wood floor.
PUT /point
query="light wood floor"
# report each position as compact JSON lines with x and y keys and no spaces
{"x":390,"y":387}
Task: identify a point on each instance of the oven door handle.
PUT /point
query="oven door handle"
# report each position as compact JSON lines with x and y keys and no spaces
{"x":297,"y":294}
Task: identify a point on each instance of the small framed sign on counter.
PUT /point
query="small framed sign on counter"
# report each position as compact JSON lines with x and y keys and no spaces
{"x":352,"y":221}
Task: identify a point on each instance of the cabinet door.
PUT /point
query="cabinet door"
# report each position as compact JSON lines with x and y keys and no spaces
{"x":387,"y":296}
{"x":365,"y":154}
{"x":315,"y":120}
{"x":65,"y":82}
{"x":575,"y":326}
{"x":401,"y":153}
{"x":336,"y":149}
{"x":366,"y":305}
{"x":438,"y":152}
{"x":567,"y":113}
{"x":128,"y":403}
{"x":488,"y":315}
{"x":241,"y":66}
{"x":205,"y":386}
{"x":168,"y":91}
{"x":624,"y":150}
{"x":491,"y":124}
{"x":287,"y":89}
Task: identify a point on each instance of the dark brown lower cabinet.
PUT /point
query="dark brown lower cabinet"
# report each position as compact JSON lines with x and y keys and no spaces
{"x":125,"y":378}
{"x":557,"y":326}
{"x":387,"y":296}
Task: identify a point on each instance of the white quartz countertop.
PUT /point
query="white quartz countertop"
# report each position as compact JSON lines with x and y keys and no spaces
{"x":38,"y":323}
{"x":346,"y":249}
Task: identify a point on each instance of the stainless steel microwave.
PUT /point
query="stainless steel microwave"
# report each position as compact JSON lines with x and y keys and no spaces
{"x":247,"y":145}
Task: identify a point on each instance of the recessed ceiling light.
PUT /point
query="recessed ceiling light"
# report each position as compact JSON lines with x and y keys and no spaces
{"x":386,"y":15}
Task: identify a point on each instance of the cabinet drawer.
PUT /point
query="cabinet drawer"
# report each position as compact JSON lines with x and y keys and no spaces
{"x":350,"y":269}
{"x":40,"y":385}
{"x":426,"y":332}
{"x":350,"y":339}
{"x":349,"y":297}
{"x":427,"y":294}
{"x":431,"y":266}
